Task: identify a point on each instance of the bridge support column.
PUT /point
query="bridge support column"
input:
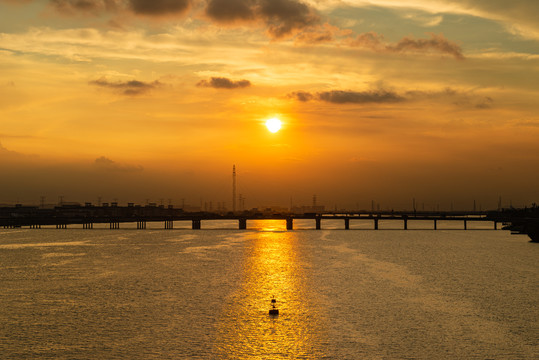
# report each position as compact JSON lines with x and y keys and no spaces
{"x":347,"y":224}
{"x":435,"y":224}
{"x":289,"y":224}
{"x":61,"y":226}
{"x":114,"y":225}
{"x":196,"y":225}
{"x":242,"y":224}
{"x":318,"y":223}
{"x":465,"y":225}
{"x":495,"y":225}
{"x":405,"y":223}
{"x":169,"y":224}
{"x":87,"y":225}
{"x":141,"y":225}
{"x":375,"y":224}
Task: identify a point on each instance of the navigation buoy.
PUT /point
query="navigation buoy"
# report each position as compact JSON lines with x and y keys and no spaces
{"x":273,"y":310}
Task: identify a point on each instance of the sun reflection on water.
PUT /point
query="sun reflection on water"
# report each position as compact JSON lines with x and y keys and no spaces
{"x":272,"y":267}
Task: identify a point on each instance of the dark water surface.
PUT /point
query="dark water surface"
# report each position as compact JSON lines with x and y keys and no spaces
{"x":183,"y":294}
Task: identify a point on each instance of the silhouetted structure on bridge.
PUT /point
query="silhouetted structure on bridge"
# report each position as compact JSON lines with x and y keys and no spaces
{"x":522,"y":221}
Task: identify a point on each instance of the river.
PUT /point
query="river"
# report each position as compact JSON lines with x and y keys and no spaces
{"x":205,"y":294}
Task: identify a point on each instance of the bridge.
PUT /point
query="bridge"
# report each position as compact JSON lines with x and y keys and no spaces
{"x":521,"y":221}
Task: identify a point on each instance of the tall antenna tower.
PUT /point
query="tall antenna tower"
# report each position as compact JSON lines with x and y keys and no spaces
{"x":233,"y":188}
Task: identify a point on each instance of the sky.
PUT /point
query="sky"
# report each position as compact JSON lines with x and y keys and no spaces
{"x":380,"y":101}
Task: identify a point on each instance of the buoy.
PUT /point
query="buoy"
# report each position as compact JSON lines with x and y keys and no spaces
{"x":273,"y":310}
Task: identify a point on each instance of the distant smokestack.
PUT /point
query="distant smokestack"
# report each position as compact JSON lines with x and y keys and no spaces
{"x":233,"y":188}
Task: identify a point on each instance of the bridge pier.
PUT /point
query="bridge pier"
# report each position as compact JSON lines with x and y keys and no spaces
{"x":289,"y":223}
{"x":34,"y":226}
{"x":87,"y":225}
{"x":169,"y":224}
{"x":242,"y":224}
{"x":141,"y":225}
{"x":495,"y":225}
{"x":376,"y":224}
{"x":435,"y":224}
{"x":405,"y":222}
{"x":347,"y":224}
{"x":114,"y":225}
{"x":465,"y":225}
{"x":318,"y":223}
{"x":61,"y":226}
{"x":196,"y":224}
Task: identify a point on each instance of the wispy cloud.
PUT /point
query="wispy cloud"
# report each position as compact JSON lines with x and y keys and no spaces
{"x":437,"y":43}
{"x":142,"y":7}
{"x":349,"y":96}
{"x":107,"y":164}
{"x":131,"y":87}
{"x":381,"y":96}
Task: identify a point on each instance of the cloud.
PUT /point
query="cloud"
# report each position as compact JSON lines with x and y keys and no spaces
{"x":231,"y":10}
{"x":320,"y":34}
{"x":462,"y":99}
{"x":302,"y":96}
{"x":85,"y":6}
{"x":110,"y":165}
{"x":349,"y":96}
{"x":141,"y":7}
{"x":131,"y":87}
{"x":224,"y":83}
{"x":159,"y":7}
{"x":437,"y":43}
{"x":282,"y":17}
{"x":485,"y":103}
{"x":15,"y":2}
{"x":6,"y":154}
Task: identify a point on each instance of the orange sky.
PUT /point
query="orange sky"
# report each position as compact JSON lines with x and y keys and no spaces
{"x":380,"y":100}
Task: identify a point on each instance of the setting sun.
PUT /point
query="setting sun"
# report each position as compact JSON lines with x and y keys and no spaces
{"x":273,"y":125}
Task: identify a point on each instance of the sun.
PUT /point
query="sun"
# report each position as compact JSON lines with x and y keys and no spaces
{"x":273,"y":125}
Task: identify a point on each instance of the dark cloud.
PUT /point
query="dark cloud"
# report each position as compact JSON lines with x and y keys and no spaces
{"x":224,"y":83}
{"x":110,"y":165}
{"x":283,"y":17}
{"x":231,"y":10}
{"x":131,"y":87}
{"x":437,"y":42}
{"x":348,"y":96}
{"x":159,"y":7}
{"x":302,"y":96}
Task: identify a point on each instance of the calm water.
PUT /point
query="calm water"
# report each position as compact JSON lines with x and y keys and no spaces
{"x":183,"y":294}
